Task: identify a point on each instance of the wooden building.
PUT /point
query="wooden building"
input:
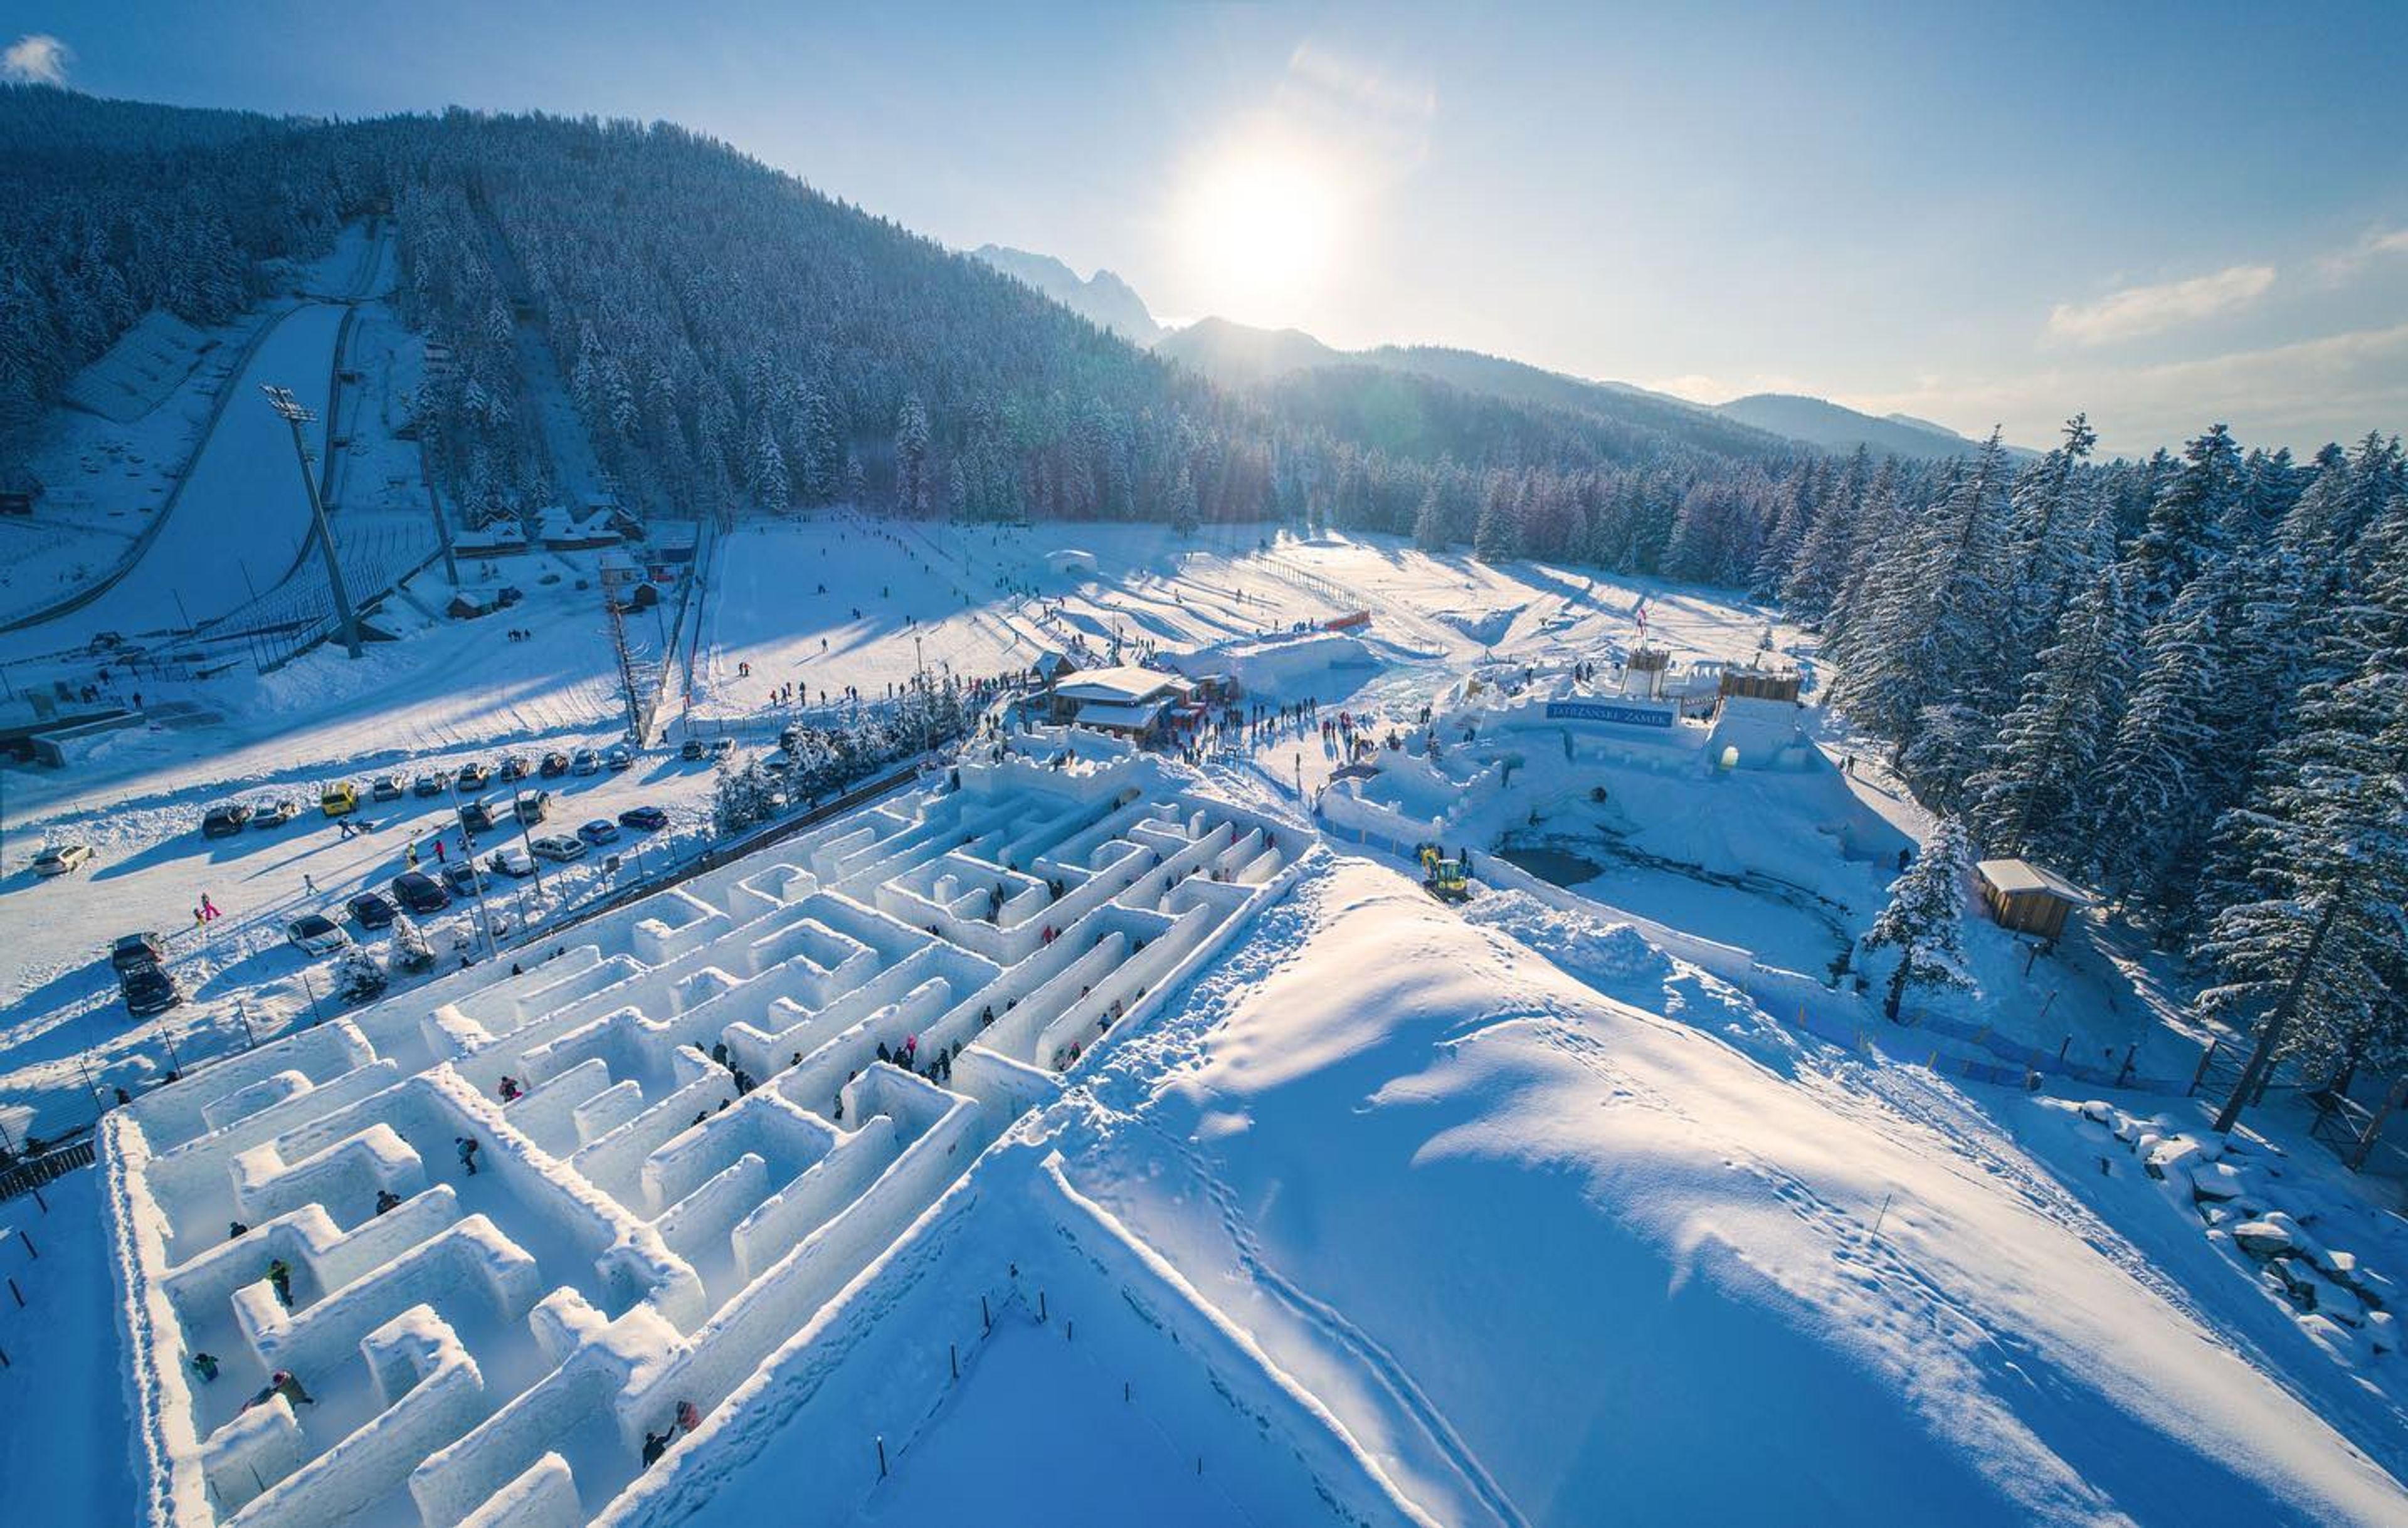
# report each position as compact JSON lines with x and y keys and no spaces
{"x":2024,"y":897}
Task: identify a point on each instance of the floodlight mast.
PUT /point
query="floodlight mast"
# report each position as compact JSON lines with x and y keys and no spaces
{"x":295,"y":414}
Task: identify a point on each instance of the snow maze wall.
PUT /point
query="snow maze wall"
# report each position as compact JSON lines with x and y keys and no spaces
{"x":496,"y":1346}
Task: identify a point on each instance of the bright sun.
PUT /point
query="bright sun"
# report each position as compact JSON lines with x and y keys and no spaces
{"x":1259,"y":226}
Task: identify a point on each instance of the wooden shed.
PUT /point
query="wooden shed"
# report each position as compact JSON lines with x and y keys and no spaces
{"x":2024,"y":897}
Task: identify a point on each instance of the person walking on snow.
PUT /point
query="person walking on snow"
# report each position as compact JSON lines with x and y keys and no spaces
{"x":208,"y":909}
{"x":280,"y":1278}
{"x":206,"y":1365}
{"x":438,"y":850}
{"x":467,"y":1147}
{"x":657,"y":1444}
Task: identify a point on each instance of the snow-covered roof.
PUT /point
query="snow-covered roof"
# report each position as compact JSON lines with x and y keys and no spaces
{"x":1122,"y":718}
{"x":2013,"y":877}
{"x":1124,"y":685}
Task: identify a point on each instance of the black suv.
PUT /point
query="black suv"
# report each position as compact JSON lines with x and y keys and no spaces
{"x":420,"y":891}
{"x":148,"y":991}
{"x":477,"y":817}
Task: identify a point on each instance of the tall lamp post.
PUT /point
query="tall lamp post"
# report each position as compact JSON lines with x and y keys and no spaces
{"x":291,"y":410}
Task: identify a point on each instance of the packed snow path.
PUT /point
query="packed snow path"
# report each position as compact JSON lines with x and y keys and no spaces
{"x":702,"y":1140}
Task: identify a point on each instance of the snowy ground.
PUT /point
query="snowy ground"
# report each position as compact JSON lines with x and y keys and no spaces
{"x":1394,"y":1213}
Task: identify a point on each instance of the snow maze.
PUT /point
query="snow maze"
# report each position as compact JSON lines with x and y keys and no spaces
{"x":496,"y":1346}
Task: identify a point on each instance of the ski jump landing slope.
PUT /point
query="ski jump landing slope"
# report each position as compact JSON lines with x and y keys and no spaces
{"x":242,"y":508}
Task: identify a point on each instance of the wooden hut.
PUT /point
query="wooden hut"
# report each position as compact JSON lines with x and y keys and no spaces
{"x":2029,"y":899}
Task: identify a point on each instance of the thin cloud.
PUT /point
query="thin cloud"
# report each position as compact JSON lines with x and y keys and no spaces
{"x":2301,"y":395}
{"x":35,"y":59}
{"x":2145,"y":310}
{"x":2378,"y":242}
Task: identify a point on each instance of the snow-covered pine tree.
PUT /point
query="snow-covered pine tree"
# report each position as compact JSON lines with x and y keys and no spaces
{"x":913,"y":491}
{"x":1820,"y":567}
{"x":1924,"y":919}
{"x":357,"y":976}
{"x":1929,"y":634}
{"x":2180,"y":538}
{"x":2165,"y":774}
{"x":411,"y":952}
{"x":2049,"y":549}
{"x":2036,"y":794}
{"x":1498,"y":537}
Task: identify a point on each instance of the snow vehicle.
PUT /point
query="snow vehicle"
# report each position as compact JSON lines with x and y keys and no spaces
{"x":532,"y":806}
{"x":515,"y":767}
{"x":693,"y":749}
{"x":387,"y":788}
{"x":1444,"y":879}
{"x":427,"y":785}
{"x":645,"y":819}
{"x":619,"y":757}
{"x":225,"y":822}
{"x":273,"y":814}
{"x":473,"y":776}
{"x":560,"y":847}
{"x":339,"y":799}
{"x":476,"y":815}
{"x":586,"y":763}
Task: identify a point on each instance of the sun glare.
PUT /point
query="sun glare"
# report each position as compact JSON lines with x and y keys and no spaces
{"x":1259,"y":226}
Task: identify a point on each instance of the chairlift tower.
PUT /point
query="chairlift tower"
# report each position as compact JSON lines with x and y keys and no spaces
{"x":291,"y":411}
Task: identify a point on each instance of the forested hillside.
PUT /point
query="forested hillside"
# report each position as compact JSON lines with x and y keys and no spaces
{"x":735,"y":343}
{"x":2185,"y":680}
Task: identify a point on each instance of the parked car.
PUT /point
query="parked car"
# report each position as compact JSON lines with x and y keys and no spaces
{"x":149,"y":989}
{"x":273,"y":814}
{"x":427,"y":785}
{"x":511,"y":860}
{"x":132,"y":952}
{"x":722,"y":748}
{"x":462,"y":879}
{"x":558,"y":846}
{"x":472,"y":777}
{"x":692,"y":748}
{"x":644,"y":819}
{"x":339,"y":799}
{"x":225,"y":822}
{"x":532,"y":806}
{"x":515,"y":767}
{"x":369,"y":909}
{"x":419,"y":892}
{"x":619,"y":756}
{"x":316,"y":934}
{"x":385,"y":788}
{"x":476,"y":815}
{"x":600,"y":830}
{"x":586,"y":763}
{"x":555,"y":764}
{"x":58,"y":859}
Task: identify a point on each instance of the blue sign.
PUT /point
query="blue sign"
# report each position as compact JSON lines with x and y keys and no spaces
{"x":1600,"y":710}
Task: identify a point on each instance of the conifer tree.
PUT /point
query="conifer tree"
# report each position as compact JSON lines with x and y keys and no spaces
{"x":1925,"y":919}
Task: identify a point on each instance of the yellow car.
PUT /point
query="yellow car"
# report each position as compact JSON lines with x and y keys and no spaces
{"x":339,"y":799}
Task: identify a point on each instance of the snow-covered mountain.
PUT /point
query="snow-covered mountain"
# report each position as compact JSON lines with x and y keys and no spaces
{"x":1822,"y":423}
{"x":1103,"y":299}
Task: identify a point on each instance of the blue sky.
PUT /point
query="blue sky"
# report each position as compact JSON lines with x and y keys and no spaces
{"x":2164,"y":214}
